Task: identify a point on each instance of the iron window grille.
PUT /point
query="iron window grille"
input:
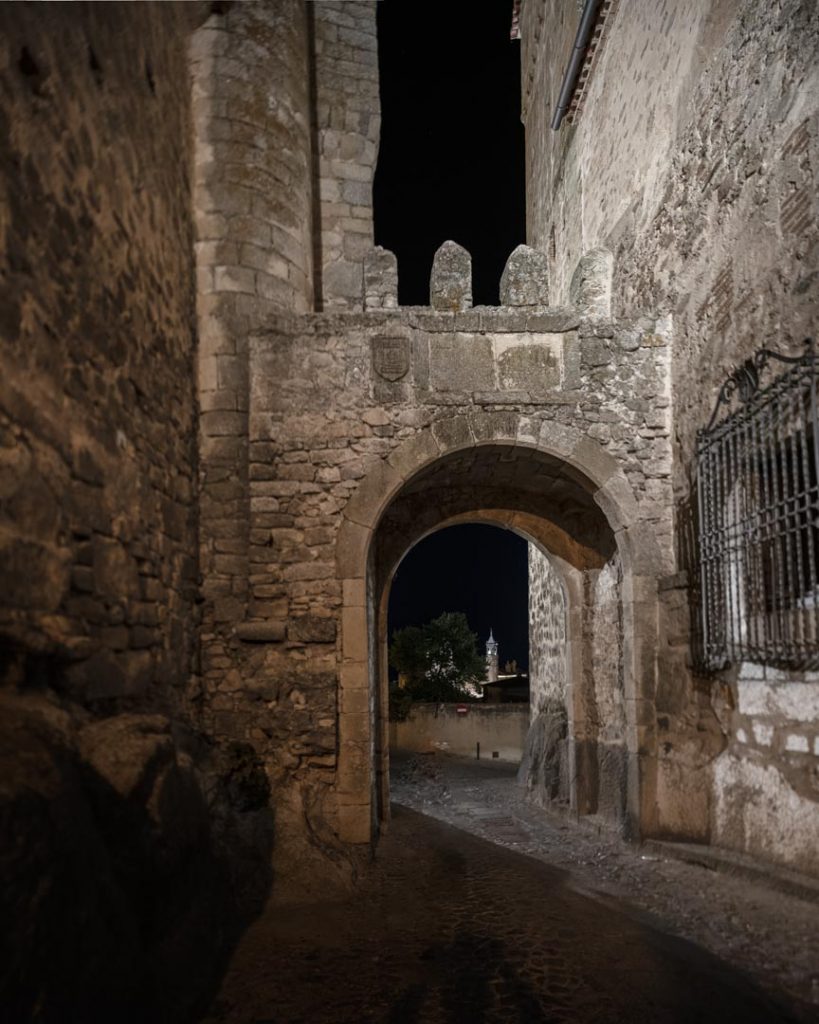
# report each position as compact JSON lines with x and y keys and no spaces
{"x":758,"y":504}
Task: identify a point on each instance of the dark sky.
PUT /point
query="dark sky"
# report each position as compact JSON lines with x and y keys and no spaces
{"x":475,"y":569}
{"x":451,"y":161}
{"x":451,"y":165}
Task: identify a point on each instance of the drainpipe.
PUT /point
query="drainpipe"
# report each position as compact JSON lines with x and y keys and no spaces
{"x":581,"y":43}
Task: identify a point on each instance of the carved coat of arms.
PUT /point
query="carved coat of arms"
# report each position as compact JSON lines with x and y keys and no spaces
{"x":391,"y":356}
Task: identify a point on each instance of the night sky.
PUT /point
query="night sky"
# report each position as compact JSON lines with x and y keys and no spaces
{"x":451,"y":161}
{"x":475,"y":569}
{"x":451,"y":165}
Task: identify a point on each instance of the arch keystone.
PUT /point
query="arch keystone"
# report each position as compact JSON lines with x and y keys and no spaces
{"x":494,"y":426}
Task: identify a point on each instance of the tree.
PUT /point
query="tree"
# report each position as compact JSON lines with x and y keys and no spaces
{"x":437,"y":660}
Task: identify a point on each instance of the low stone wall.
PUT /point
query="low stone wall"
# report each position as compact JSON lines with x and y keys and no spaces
{"x":499,"y":730}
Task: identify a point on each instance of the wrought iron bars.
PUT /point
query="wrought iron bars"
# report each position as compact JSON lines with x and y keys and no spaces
{"x":758,"y":494}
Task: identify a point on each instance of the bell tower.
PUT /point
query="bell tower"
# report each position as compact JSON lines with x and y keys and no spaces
{"x":491,"y":659}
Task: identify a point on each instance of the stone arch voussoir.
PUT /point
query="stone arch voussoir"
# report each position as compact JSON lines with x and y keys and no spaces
{"x":585,"y":461}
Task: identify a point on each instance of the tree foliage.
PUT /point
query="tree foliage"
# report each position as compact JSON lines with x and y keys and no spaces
{"x":437,"y":660}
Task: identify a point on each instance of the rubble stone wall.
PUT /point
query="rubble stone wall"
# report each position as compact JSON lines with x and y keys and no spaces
{"x":694,"y":162}
{"x":333,"y":399}
{"x":123,"y":849}
{"x":548,"y":655}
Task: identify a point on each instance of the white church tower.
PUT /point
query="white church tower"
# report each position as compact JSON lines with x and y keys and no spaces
{"x":491,"y":659}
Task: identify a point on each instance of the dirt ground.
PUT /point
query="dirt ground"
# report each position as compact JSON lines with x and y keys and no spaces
{"x":526,"y":920}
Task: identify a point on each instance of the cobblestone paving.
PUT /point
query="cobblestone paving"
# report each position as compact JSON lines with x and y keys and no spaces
{"x":449,"y":927}
{"x":771,"y":935}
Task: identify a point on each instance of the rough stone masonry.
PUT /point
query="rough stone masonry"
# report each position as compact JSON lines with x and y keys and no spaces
{"x":219,"y":433}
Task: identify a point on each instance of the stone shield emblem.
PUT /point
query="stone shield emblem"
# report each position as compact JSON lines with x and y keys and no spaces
{"x":391,"y":357}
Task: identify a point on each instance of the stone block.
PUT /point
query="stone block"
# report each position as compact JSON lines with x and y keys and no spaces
{"x":559,"y":438}
{"x":525,"y":278}
{"x":450,"y":286}
{"x":590,"y":289}
{"x":352,"y":546}
{"x":343,"y":282}
{"x":461,"y":362}
{"x":616,"y":500}
{"x":354,"y":678}
{"x":372,"y":494}
{"x":314,"y":629}
{"x":494,"y":426}
{"x":557,"y":320}
{"x":261,"y":632}
{"x":414,"y":454}
{"x":354,"y":823}
{"x":380,"y":279}
{"x":354,"y":634}
{"x":354,"y":592}
{"x":526,"y":364}
{"x":593,"y":462}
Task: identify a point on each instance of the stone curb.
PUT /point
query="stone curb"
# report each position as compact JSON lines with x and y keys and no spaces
{"x":730,"y":863}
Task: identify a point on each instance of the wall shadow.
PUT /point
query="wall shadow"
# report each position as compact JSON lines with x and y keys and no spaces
{"x":135,"y":853}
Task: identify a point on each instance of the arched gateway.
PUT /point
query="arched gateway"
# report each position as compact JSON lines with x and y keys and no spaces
{"x":360,"y":432}
{"x":565,"y":493}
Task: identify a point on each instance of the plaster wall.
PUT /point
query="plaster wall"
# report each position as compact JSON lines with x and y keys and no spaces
{"x":493,"y":731}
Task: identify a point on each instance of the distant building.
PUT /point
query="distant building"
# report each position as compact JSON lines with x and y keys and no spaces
{"x":491,"y":659}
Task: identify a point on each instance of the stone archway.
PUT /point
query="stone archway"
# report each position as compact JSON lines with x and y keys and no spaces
{"x":583,"y":468}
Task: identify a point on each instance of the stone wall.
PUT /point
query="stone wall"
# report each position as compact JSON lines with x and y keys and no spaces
{"x":126,"y":835}
{"x":693,"y":161}
{"x":333,"y":398}
{"x":545,"y":769}
{"x":548,"y":653}
{"x":348,"y":122}
{"x":604,"y":714}
{"x":253,"y":204}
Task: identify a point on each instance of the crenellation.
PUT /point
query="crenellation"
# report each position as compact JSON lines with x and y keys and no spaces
{"x":215,"y":451}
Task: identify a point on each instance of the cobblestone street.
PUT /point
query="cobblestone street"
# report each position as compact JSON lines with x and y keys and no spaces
{"x":527,"y":919}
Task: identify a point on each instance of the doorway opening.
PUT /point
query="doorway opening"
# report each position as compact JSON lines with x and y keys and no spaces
{"x":458,"y":643}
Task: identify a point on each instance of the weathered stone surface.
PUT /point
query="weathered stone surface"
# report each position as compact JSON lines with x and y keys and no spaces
{"x":261,"y":632}
{"x":525,"y":279}
{"x":380,"y":279}
{"x":590,"y":290}
{"x":450,"y":286}
{"x":312,"y":629}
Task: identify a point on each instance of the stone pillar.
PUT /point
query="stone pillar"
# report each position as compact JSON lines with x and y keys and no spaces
{"x":348,"y":122}
{"x":253,"y":216}
{"x":450,"y":286}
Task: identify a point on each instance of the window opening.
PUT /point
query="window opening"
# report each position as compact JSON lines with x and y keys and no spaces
{"x":758,"y":492}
